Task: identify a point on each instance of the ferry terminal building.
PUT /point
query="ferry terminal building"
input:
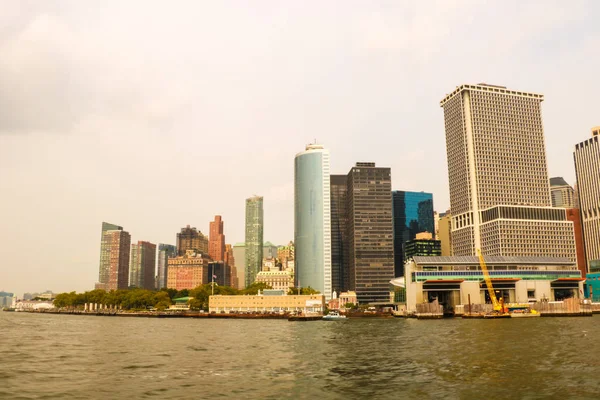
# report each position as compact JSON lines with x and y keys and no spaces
{"x":452,"y":279}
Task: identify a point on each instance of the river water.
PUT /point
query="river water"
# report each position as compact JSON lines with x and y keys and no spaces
{"x":87,"y":357}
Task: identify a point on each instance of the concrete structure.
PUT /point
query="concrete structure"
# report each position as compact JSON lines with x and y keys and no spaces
{"x":312,"y":219}
{"x":165,"y":251}
{"x":348,"y":297}
{"x":265,"y":303}
{"x":188,"y":271}
{"x":451,"y":280}
{"x":340,"y":274}
{"x":444,"y":235}
{"x":142,"y":264}
{"x":239,"y":255}
{"x":498,"y":176}
{"x":216,"y":240}
{"x":561,"y":193}
{"x":587,"y":167}
{"x":254,"y":238}
{"x":278,"y":280}
{"x":114,"y":258}
{"x":413,"y":213}
{"x":370,"y":232}
{"x":191,"y":239}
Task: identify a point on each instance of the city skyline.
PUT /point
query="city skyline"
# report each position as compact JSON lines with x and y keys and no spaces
{"x":69,"y":152}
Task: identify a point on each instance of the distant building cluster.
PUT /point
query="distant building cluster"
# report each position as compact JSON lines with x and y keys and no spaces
{"x":354,"y":234}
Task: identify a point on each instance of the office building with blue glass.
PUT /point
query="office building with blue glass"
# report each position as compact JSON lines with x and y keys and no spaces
{"x":412,"y":213}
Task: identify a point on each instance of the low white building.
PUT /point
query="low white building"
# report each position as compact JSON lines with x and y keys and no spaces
{"x":454,"y":280}
{"x":33,"y":305}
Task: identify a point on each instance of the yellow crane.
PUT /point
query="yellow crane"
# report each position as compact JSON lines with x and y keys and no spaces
{"x":498,"y":305}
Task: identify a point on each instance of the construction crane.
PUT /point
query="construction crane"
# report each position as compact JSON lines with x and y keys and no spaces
{"x":498,"y":305}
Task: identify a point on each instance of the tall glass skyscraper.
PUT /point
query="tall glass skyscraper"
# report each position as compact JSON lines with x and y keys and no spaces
{"x":254,"y":238}
{"x":413,"y":213}
{"x":312,"y":219}
{"x":164,"y":252}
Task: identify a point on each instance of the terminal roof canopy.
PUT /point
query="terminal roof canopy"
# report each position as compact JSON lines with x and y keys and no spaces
{"x":437,"y":260}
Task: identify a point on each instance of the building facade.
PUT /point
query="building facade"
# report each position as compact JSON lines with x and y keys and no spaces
{"x":312,"y":219}
{"x":413,"y":213}
{"x":269,"y":250}
{"x":498,"y":175}
{"x":216,"y":239}
{"x":165,"y":251}
{"x":239,"y":255}
{"x":587,"y":167}
{"x":422,"y":247}
{"x":230,"y":262}
{"x":267,"y":303}
{"x":114,"y":258}
{"x":285,"y":253}
{"x":562,"y":194}
{"x":278,"y":280}
{"x":191,"y":239}
{"x":188,"y":271}
{"x":444,"y":235}
{"x":142,"y":263}
{"x":254,"y":238}
{"x":339,"y":265}
{"x":370,"y":232}
{"x":453,"y":281}
{"x":574,"y":215}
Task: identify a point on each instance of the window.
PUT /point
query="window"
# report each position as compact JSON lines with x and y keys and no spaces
{"x":531,"y":293}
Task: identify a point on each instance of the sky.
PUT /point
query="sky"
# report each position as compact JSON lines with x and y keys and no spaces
{"x":154,"y":115}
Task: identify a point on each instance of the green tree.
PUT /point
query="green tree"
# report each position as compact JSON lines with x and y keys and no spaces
{"x":254,"y":288}
{"x":303,"y":291}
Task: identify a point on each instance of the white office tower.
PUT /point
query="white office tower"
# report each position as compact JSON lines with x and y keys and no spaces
{"x":498,"y":176}
{"x":312,"y":219}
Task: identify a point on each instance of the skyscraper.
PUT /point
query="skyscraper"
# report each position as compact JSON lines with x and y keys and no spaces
{"x":239,"y":255}
{"x":498,"y":176}
{"x":162,"y":263}
{"x":312,"y":219}
{"x":191,"y":239}
{"x":562,"y":193}
{"x":587,"y":167}
{"x":339,"y":264}
{"x":254,"y":238}
{"x":114,"y":258}
{"x":216,"y":239}
{"x":413,"y":213}
{"x":142,"y":264}
{"x":370,"y":232}
{"x":230,"y":263}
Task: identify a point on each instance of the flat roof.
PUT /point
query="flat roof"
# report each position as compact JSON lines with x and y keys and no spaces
{"x":491,"y":260}
{"x":484,"y":87}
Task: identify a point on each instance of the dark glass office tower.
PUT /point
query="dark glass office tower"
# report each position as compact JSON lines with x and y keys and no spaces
{"x":413,"y":213}
{"x":339,"y":265}
{"x":370,"y":232}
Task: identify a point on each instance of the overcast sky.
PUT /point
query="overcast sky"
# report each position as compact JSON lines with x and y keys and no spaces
{"x":155,"y":115}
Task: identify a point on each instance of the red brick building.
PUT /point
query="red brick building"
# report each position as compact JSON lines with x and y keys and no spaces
{"x":216,"y":240}
{"x":574,"y":215}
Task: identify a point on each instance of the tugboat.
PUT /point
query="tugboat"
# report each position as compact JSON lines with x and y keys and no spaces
{"x":333,"y":316}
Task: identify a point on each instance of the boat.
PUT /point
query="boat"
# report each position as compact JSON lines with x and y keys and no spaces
{"x":333,"y":316}
{"x":525,"y":314}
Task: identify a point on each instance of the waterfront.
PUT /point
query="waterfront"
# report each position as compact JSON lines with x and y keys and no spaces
{"x":80,"y":357}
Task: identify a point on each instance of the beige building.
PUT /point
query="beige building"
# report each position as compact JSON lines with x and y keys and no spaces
{"x":292,"y":303}
{"x":280,"y":280}
{"x":587,"y":162}
{"x":444,"y":235}
{"x":563,"y":195}
{"x":285,"y":253}
{"x":269,"y":264}
{"x":188,"y":271}
{"x":498,"y":176}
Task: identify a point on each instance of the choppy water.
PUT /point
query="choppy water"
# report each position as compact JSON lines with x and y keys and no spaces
{"x":76,"y":357}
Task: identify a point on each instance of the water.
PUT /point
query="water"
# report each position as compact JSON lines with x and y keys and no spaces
{"x":86,"y":357}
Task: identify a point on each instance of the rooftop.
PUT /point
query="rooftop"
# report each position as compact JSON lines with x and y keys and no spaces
{"x":491,"y":260}
{"x":484,"y":87}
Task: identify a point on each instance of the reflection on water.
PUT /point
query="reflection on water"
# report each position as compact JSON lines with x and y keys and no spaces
{"x":62,"y":357}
